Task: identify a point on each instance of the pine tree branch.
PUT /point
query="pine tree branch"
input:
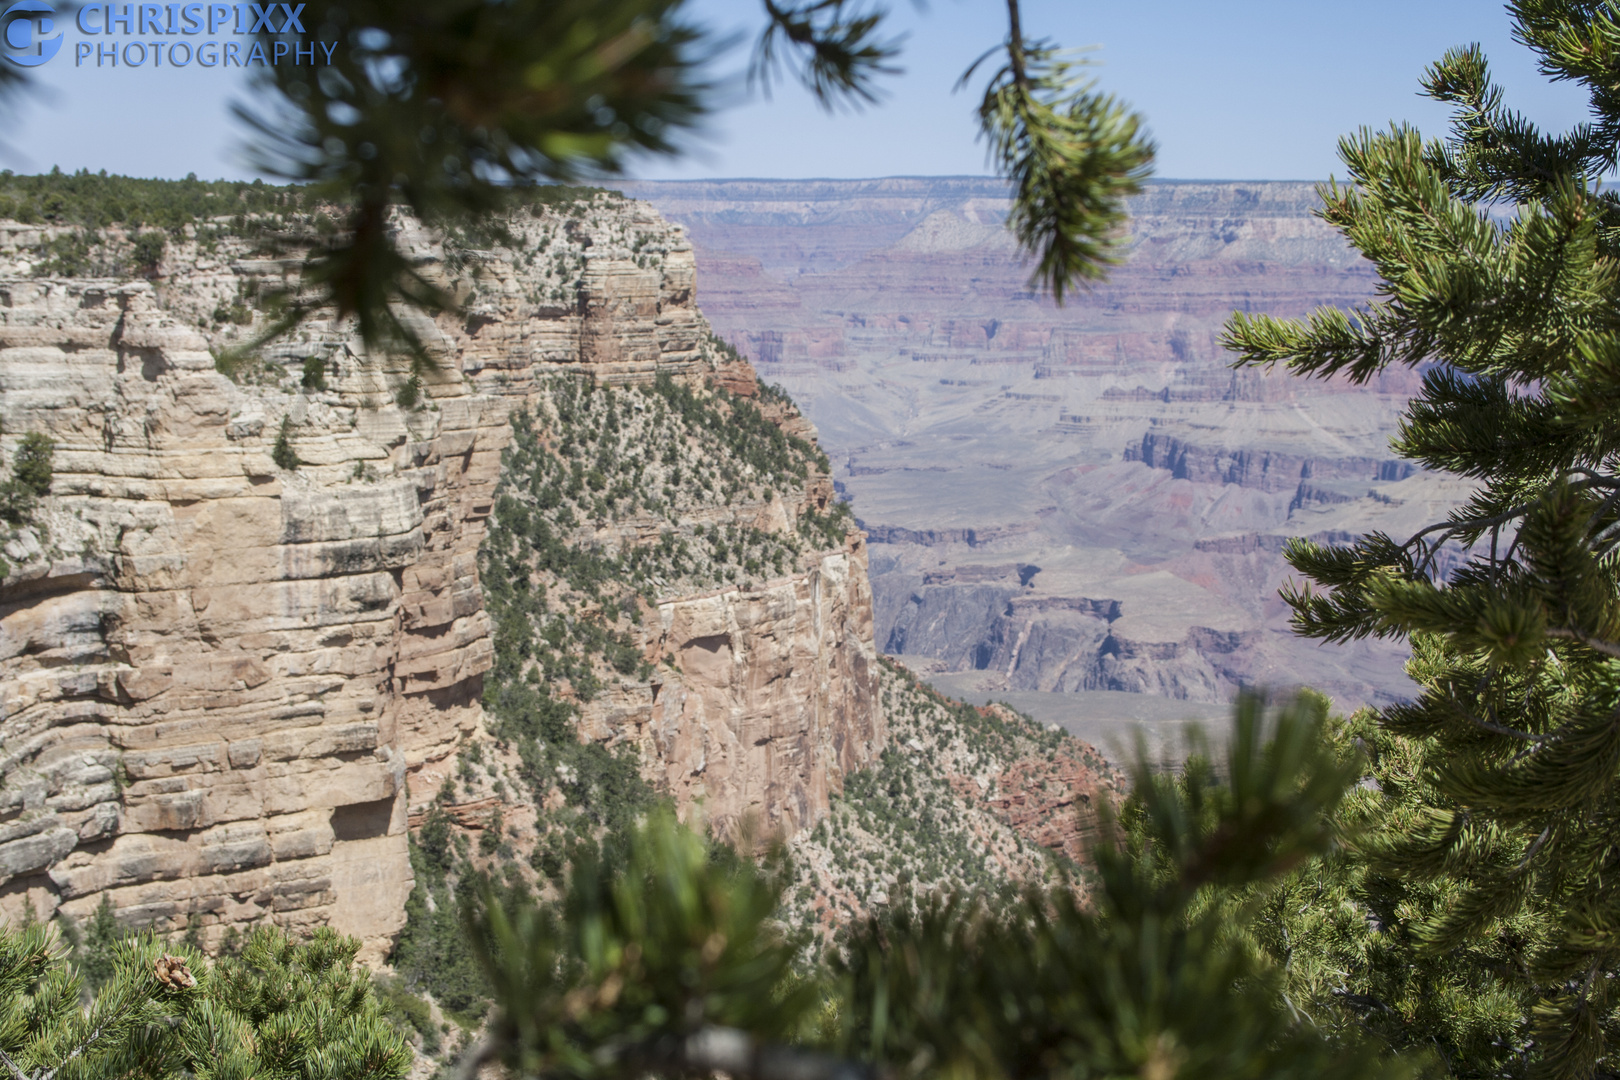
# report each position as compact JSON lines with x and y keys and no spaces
{"x":1502,"y":729}
{"x":1360,"y":1001}
{"x":1451,"y":530}
{"x":1015,"y":47}
{"x":1607,"y":648}
{"x":1604,"y":509}
{"x":843,"y":54}
{"x":1595,"y":478}
{"x":111,"y":1022}
{"x":1493,"y":725}
{"x":1540,"y":841}
{"x":1499,"y":566}
{"x":12,"y":1065}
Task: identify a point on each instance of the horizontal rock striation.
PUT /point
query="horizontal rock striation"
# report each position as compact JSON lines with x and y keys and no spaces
{"x":1266,"y":470}
{"x":1057,"y":644}
{"x":222,"y":680}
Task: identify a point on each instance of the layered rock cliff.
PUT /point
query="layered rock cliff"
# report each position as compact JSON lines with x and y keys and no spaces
{"x":224,"y":683}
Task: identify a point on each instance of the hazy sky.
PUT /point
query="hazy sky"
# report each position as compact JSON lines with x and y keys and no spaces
{"x":1232,"y":89}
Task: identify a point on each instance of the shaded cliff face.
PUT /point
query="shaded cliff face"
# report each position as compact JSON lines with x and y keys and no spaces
{"x":1083,"y":502}
{"x":225,"y":683}
{"x":667,"y":574}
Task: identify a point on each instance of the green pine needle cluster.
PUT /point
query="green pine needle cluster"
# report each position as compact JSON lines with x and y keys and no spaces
{"x":279,"y":1008}
{"x":841,"y":42}
{"x":1073,"y":156}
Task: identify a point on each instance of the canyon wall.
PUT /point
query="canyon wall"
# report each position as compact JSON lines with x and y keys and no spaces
{"x":224,"y":684}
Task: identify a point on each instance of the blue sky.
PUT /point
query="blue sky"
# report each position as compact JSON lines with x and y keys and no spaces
{"x":1232,"y":89}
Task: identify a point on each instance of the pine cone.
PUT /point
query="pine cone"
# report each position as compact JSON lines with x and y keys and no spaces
{"x":171,"y":971}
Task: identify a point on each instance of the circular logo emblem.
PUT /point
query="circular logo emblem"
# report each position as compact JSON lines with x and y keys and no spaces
{"x":26,"y":33}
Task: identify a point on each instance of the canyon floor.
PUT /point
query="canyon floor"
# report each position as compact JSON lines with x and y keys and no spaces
{"x":1079,"y":510}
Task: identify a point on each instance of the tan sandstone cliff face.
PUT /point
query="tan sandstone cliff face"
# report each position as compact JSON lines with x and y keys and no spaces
{"x":772,"y":699}
{"x":220,"y":680}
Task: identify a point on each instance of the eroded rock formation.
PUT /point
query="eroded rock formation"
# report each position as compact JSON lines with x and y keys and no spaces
{"x":223,"y":682}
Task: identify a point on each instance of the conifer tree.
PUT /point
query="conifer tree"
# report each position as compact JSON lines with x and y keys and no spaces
{"x":279,"y":1009}
{"x":1342,"y":930}
{"x":1496,"y":251}
{"x":96,"y":950}
{"x":30,"y":478}
{"x":45,"y":1032}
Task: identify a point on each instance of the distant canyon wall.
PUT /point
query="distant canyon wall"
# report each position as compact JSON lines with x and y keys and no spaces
{"x":224,"y":684}
{"x":1106,"y":444}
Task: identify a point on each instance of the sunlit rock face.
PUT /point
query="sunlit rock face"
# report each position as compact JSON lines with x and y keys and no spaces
{"x":1077,"y":499}
{"x":224,"y":683}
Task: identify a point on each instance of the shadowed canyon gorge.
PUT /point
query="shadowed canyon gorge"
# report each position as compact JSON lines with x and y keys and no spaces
{"x":1080,"y":510}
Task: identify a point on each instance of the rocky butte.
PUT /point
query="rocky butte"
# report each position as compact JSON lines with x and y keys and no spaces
{"x":225,"y":684}
{"x":1080,"y":510}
